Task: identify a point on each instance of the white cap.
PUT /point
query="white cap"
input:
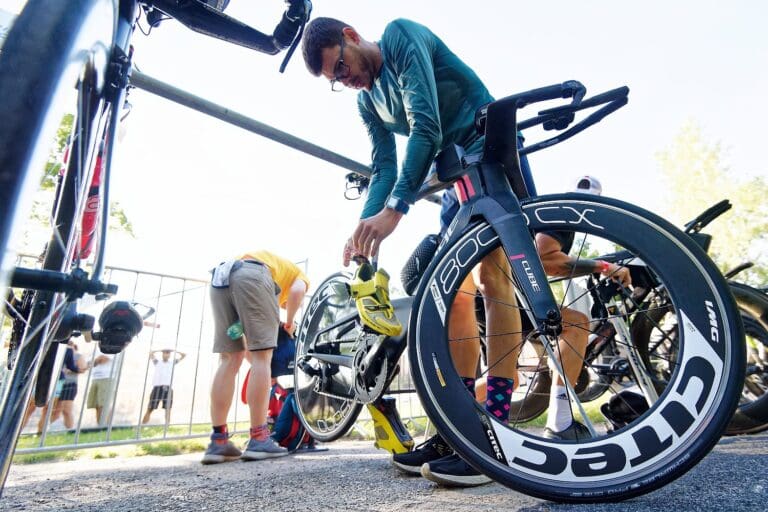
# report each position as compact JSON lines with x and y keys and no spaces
{"x":588,"y":185}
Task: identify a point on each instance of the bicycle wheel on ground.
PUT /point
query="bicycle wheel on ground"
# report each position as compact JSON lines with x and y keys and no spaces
{"x":323,"y":374}
{"x":54,"y":61}
{"x":678,"y":424}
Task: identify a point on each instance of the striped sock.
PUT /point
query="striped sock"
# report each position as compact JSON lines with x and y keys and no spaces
{"x":260,"y":432}
{"x":498,"y":397}
{"x":220,"y":429}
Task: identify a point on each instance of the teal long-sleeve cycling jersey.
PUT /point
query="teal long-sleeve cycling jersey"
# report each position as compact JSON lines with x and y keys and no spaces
{"x":425,"y":92}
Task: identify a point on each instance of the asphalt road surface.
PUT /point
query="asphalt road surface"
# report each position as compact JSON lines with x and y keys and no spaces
{"x":353,"y":476}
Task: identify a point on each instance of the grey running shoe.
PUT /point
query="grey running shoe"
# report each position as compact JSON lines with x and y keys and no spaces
{"x":452,"y":471}
{"x":431,"y":449}
{"x":267,"y":449}
{"x":575,"y":432}
{"x":220,"y":449}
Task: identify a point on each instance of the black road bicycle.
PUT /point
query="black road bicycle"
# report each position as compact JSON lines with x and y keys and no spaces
{"x":340,"y":365}
{"x":75,"y":57}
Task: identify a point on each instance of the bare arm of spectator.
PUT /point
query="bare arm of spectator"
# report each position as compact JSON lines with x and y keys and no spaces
{"x":293,"y":302}
{"x":557,"y":263}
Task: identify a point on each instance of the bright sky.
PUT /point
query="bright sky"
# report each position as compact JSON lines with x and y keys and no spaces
{"x":199,"y":191}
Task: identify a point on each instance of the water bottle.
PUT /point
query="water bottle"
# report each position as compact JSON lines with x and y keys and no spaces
{"x":235,"y":331}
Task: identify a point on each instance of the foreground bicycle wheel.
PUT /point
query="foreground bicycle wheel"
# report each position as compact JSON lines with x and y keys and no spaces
{"x":53,"y":62}
{"x":329,"y":328}
{"x":682,"y":422}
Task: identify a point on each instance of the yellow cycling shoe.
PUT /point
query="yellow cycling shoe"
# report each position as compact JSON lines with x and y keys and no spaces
{"x":391,"y":434}
{"x":371,"y":293}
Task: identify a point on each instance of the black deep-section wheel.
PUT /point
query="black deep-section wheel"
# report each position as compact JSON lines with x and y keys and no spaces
{"x":684,"y":420}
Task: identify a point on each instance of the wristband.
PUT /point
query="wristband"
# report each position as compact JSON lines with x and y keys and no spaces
{"x":398,"y":205}
{"x":603,"y":266}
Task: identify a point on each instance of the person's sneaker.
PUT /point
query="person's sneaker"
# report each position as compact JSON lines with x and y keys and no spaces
{"x":431,"y":449}
{"x":452,"y":471}
{"x":220,"y":449}
{"x":259,"y":450}
{"x":575,"y":432}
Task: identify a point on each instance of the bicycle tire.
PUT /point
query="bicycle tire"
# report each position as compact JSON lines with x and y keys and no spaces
{"x":44,"y":55}
{"x":325,"y":416}
{"x":679,"y":429}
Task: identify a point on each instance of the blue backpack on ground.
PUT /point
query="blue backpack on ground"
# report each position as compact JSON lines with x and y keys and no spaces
{"x":288,"y":431}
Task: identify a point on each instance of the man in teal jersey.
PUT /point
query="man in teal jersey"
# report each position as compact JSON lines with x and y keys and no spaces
{"x":411,"y":84}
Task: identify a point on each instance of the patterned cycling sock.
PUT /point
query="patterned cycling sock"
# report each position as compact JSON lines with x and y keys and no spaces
{"x":220,"y":429}
{"x":498,"y":397}
{"x":469,"y":383}
{"x":260,"y":432}
{"x":559,"y":414}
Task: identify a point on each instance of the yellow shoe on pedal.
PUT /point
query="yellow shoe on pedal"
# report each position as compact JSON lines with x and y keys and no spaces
{"x":371,"y":293}
{"x":391,"y":434}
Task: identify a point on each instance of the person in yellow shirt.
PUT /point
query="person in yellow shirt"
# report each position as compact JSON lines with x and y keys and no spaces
{"x":250,"y":289}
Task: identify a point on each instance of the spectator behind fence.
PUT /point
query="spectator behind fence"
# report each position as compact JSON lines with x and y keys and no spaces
{"x":74,"y":365}
{"x":102,"y":379}
{"x":161,"y":383}
{"x":246,"y":294}
{"x":63,"y":395}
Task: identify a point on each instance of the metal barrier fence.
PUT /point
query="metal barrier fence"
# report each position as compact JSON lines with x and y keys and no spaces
{"x":182,"y":323}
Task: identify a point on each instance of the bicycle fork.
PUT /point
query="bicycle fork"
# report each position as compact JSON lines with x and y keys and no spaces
{"x":507,"y":222}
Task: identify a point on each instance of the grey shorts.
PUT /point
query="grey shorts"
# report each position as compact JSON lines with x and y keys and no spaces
{"x":251,"y":298}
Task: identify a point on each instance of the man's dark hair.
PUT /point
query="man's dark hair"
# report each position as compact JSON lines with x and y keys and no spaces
{"x":320,"y":33}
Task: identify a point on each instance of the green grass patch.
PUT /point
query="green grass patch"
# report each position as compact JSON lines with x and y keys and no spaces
{"x":167,"y":448}
{"x":38,"y":458}
{"x":144,"y":443}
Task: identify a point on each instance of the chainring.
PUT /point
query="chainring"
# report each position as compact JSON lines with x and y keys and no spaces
{"x":366,"y":391}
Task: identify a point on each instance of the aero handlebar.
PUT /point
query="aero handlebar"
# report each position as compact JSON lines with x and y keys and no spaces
{"x":206,"y":20}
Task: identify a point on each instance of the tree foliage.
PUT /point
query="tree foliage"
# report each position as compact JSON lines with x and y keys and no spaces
{"x":696,"y":177}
